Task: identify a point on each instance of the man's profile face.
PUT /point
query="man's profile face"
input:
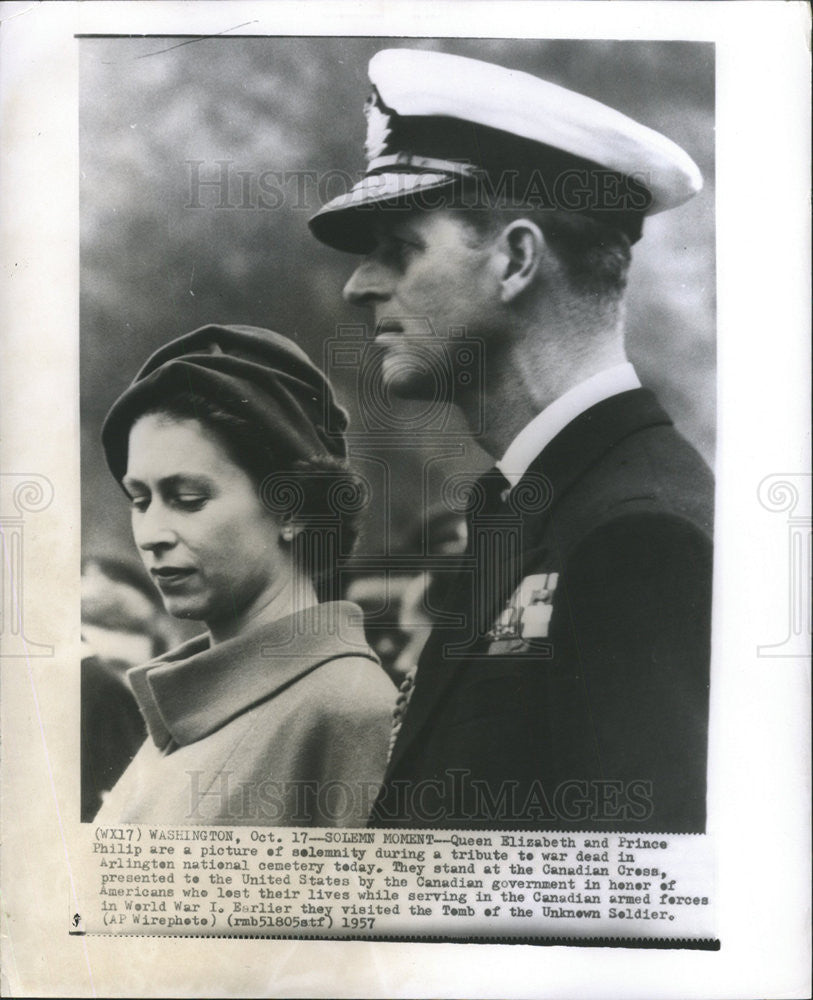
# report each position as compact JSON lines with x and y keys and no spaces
{"x":427,"y":276}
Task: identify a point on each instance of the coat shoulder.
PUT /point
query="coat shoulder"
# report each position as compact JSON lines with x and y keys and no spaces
{"x":654,"y":475}
{"x":349,"y":687}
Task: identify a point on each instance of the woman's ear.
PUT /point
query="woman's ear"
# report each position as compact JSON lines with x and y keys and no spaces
{"x":523,"y":246}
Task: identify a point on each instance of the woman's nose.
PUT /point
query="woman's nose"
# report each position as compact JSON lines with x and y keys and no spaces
{"x":369,"y":282}
{"x":152,"y":530}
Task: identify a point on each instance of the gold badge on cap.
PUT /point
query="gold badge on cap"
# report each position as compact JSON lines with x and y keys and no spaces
{"x":378,"y":128}
{"x":526,"y":615}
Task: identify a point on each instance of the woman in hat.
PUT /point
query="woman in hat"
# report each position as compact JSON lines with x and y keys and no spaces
{"x":230,"y":447}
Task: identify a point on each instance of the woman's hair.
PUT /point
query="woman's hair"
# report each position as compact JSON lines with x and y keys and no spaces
{"x":320,"y":495}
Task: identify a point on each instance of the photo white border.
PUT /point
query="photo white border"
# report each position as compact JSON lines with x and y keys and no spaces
{"x":760,"y":764}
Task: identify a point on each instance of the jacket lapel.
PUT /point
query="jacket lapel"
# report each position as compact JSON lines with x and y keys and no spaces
{"x":592,"y":435}
{"x":483,"y":584}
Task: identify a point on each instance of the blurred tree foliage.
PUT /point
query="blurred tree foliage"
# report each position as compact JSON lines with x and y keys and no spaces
{"x":162,"y":254}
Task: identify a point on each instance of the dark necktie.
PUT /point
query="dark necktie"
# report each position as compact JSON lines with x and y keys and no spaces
{"x":468,"y":591}
{"x":493,"y":488}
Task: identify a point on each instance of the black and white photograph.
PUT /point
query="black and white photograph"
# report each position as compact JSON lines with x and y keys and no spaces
{"x":401,"y":261}
{"x":391,"y":482}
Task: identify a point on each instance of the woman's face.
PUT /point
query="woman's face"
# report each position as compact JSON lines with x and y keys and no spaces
{"x":209,"y":544}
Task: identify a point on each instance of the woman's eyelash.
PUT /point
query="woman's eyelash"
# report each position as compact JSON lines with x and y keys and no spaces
{"x":186,"y":501}
{"x":190,"y":501}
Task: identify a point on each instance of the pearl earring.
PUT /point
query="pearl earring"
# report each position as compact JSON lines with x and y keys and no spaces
{"x":287,"y":533}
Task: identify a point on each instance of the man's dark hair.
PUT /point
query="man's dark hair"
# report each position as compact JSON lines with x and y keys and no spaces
{"x":595,"y":255}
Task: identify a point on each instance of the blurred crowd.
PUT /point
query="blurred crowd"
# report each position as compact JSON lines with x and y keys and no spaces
{"x":123,"y":625}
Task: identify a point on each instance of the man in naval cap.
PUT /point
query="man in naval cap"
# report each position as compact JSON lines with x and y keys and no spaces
{"x":566,"y":685}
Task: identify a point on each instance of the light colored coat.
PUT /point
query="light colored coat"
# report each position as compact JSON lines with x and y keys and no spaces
{"x":286,"y":725}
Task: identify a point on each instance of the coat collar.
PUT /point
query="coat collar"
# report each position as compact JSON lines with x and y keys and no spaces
{"x":559,"y":465}
{"x":537,"y":434}
{"x":591,"y":435}
{"x":196,"y":688}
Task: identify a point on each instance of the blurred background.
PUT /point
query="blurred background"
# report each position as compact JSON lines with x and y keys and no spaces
{"x":201,"y":161}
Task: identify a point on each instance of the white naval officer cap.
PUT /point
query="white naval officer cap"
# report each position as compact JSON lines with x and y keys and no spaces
{"x":439,"y":125}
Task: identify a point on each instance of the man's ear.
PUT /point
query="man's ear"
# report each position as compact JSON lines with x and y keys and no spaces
{"x":523,"y":246}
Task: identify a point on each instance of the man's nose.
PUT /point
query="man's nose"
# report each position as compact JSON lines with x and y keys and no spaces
{"x":368,"y":283}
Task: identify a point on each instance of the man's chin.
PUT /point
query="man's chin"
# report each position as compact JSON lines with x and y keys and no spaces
{"x":415,"y":386}
{"x":406,"y":378}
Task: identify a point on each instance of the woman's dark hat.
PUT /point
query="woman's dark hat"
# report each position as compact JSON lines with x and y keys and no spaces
{"x":257,"y":375}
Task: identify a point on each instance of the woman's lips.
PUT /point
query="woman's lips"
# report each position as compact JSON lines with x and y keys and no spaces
{"x":171,"y":576}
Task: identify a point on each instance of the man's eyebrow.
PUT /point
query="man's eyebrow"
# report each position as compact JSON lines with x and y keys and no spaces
{"x":405,"y":229}
{"x":396,"y":230}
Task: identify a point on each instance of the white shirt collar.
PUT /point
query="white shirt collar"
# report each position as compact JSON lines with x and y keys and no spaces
{"x":546,"y":425}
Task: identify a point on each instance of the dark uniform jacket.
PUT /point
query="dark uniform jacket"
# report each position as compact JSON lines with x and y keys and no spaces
{"x":568,"y":687}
